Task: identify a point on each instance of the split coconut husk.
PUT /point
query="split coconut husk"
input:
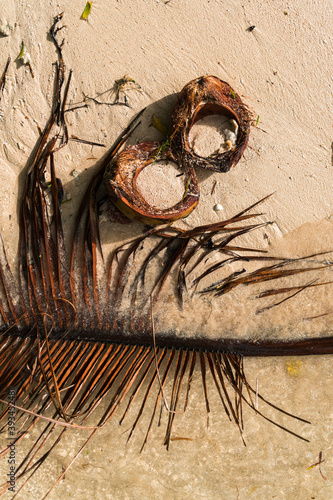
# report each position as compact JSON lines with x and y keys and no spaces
{"x":121,"y":182}
{"x":200,"y":98}
{"x":204,"y":96}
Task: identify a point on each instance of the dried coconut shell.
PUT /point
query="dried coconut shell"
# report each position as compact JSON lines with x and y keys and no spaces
{"x":120,"y":180}
{"x":204,"y":96}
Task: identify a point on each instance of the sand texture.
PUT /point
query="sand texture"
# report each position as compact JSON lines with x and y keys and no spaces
{"x":213,"y":134}
{"x":282,"y":69}
{"x":161,"y":184}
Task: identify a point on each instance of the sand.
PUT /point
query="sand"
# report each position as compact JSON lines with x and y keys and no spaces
{"x":161,"y":184}
{"x":213,"y":134}
{"x":282,"y":69}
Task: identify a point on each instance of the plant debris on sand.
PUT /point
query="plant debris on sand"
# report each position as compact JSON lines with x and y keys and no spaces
{"x":66,"y":344}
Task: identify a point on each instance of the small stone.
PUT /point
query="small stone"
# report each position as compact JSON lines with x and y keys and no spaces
{"x":75,"y":174}
{"x":26,"y":58}
{"x":6,"y":29}
{"x":218,"y":207}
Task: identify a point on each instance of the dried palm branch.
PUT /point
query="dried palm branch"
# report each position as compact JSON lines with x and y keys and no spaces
{"x":77,"y":329}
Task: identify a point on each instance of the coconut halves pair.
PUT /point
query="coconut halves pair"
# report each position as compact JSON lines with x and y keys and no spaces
{"x":204,"y":96}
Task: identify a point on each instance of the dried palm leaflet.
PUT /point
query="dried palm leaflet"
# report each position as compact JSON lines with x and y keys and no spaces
{"x":73,"y":336}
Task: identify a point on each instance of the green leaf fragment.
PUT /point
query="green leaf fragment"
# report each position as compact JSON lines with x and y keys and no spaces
{"x":21,"y":51}
{"x":159,"y":125}
{"x":257,"y":121}
{"x":86,"y":11}
{"x":233,"y":95}
{"x":25,"y":57}
{"x":160,"y":150}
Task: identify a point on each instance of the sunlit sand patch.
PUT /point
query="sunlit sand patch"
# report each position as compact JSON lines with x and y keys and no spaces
{"x":213,"y":134}
{"x":161,"y":184}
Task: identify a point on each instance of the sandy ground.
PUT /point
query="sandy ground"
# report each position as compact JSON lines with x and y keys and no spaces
{"x":282,"y":69}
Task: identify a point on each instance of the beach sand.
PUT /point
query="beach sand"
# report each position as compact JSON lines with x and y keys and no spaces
{"x":282,"y":69}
